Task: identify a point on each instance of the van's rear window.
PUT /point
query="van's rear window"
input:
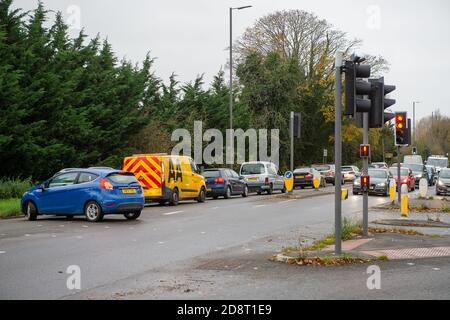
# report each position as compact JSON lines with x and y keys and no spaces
{"x":256,"y":168}
{"x":122,"y":178}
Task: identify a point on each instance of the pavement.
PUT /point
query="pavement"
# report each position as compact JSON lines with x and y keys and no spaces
{"x":216,"y":250}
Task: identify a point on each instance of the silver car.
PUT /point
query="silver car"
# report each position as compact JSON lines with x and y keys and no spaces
{"x":262,"y":176}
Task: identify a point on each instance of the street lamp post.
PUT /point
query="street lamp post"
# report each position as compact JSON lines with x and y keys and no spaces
{"x":414,"y":123}
{"x":231,"y":75}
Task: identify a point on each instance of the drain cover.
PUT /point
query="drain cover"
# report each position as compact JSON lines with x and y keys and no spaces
{"x":222,"y":264}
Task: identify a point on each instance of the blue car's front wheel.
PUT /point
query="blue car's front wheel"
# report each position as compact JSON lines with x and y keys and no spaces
{"x":93,"y":212}
{"x":31,"y":211}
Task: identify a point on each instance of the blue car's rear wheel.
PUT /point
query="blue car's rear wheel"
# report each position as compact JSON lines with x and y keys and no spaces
{"x":93,"y":212}
{"x":31,"y":211}
{"x":132,"y":215}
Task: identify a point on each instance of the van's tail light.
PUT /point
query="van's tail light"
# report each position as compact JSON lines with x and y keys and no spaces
{"x":219,"y":180}
{"x":309,"y":176}
{"x":266,"y":181}
{"x":163,"y":174}
{"x":105,"y":184}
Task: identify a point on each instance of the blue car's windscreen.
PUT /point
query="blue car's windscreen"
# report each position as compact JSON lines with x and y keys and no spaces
{"x":122,"y":178}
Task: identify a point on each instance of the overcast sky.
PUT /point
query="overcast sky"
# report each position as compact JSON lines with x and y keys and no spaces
{"x":190,"y":37}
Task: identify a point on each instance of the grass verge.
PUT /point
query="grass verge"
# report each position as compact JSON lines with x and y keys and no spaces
{"x":9,"y":208}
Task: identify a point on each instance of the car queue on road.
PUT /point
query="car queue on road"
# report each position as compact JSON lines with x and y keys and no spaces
{"x":168,"y":179}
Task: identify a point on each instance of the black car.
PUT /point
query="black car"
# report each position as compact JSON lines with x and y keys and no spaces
{"x":431,"y":175}
{"x":379,"y":182}
{"x":304,"y":177}
{"x":224,"y":182}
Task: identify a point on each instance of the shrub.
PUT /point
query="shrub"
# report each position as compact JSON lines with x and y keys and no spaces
{"x":13,"y":188}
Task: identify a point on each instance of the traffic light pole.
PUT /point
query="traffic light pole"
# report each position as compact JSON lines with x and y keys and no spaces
{"x":399,"y":181}
{"x":291,"y":132}
{"x":337,"y":154}
{"x":366,"y":173}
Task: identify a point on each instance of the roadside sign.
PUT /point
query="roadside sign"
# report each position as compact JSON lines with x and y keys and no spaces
{"x":289,"y":181}
{"x":325,"y":152}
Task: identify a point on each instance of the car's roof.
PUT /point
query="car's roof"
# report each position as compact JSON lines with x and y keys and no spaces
{"x":97,"y":170}
{"x":258,"y":162}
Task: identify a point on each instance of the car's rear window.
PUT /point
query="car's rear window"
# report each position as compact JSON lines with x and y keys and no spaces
{"x":256,"y":168}
{"x":322,"y":168}
{"x":347,"y":169}
{"x":122,"y":178}
{"x":403,"y":172}
{"x":211,"y":173}
{"x":303,"y":170}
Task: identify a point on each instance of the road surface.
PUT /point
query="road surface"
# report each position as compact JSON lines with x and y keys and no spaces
{"x":219,"y":249}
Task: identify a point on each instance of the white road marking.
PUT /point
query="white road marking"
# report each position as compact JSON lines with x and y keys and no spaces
{"x":260,"y":206}
{"x":203,"y":232}
{"x":27,"y":235}
{"x":160,"y":242}
{"x":436,"y":269}
{"x":215,"y":208}
{"x":3,"y":234}
{"x":2,"y":252}
{"x":107,"y":227}
{"x":53,"y":236}
{"x":61,"y":225}
{"x":39,"y":225}
{"x":85,"y":226}
{"x":79,"y":237}
{"x":410,"y":264}
{"x":170,"y":213}
{"x":287,"y":201}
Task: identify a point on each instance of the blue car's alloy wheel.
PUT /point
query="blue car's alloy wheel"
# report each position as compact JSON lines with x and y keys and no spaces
{"x":93,"y":212}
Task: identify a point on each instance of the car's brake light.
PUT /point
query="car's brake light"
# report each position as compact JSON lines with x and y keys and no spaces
{"x":219,"y":180}
{"x":105,"y":184}
{"x":309,"y":176}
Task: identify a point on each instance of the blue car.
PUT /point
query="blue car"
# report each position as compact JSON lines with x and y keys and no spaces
{"x":91,"y":192}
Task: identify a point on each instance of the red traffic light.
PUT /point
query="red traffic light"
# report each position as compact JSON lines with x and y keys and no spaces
{"x":365,"y":183}
{"x":364,"y":151}
{"x":401,"y":129}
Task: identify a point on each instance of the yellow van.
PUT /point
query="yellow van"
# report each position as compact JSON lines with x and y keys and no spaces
{"x":167,"y":178}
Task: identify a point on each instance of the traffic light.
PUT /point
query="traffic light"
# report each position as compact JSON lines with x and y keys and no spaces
{"x":365,"y":184}
{"x":377,"y":116}
{"x":354,"y":87}
{"x":364,"y":151}
{"x":401,"y":129}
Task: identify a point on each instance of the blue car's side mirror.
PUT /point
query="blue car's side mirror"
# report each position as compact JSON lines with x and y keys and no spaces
{"x":42,"y":187}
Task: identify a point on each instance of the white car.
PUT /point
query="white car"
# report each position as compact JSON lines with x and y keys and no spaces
{"x":262,"y":177}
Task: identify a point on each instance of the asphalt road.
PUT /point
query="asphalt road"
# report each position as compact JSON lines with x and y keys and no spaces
{"x":179,"y":252}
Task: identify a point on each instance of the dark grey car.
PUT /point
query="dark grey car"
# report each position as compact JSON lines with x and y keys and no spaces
{"x":379,"y":182}
{"x":443,"y":182}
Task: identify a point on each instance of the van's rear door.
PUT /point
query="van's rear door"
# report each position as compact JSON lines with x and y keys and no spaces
{"x":148,"y":170}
